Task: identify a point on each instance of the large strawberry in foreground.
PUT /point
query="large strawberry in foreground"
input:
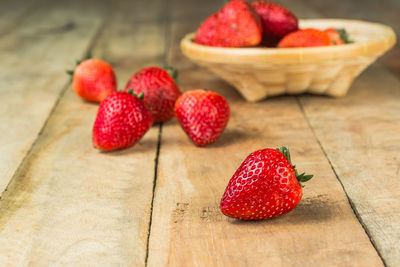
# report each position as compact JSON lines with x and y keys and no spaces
{"x":277,"y":21}
{"x":238,"y":25}
{"x":266,"y":185}
{"x":93,"y":80}
{"x":203,"y":115}
{"x":122,"y":119}
{"x":159,"y":88}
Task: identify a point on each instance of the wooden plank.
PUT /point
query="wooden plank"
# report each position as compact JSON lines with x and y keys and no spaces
{"x":360,"y":135}
{"x":69,"y":204}
{"x":34,"y":56}
{"x":188,"y":227}
{"x":360,"y":132}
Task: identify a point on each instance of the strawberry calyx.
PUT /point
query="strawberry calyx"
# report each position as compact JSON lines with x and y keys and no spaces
{"x":140,"y":96}
{"x":302,"y":178}
{"x":172,"y":72}
{"x":344,"y":36}
{"x":70,"y":72}
{"x":77,"y":63}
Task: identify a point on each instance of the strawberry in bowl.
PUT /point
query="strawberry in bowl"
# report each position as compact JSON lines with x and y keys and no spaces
{"x":319,"y":56}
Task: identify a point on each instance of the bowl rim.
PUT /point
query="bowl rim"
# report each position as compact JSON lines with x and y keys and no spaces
{"x":268,"y":55}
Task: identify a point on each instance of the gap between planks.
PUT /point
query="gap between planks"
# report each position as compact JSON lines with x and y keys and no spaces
{"x":167,"y":46}
{"x":319,"y":144}
{"x":153,"y":191}
{"x":330,"y":164}
{"x":167,"y":37}
{"x":359,"y":218}
{"x":327,"y":10}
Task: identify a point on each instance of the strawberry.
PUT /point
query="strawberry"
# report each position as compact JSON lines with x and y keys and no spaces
{"x":93,"y":79}
{"x":338,"y":36}
{"x":122,"y":119}
{"x":266,"y":185}
{"x":203,"y":115}
{"x":305,"y":38}
{"x":206,"y":32}
{"x":277,"y":21}
{"x":159,"y":88}
{"x":238,"y":25}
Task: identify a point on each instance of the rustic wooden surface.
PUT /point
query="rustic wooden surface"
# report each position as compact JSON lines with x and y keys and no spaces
{"x":156,"y":204}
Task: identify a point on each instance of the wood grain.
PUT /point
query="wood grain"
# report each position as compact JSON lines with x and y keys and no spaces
{"x":32,"y":72}
{"x":360,"y":133}
{"x":69,"y":204}
{"x":188,"y":227}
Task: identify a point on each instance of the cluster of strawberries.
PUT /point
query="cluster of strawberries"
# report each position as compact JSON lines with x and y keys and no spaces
{"x":151,"y":95}
{"x":266,"y":185}
{"x":240,"y":24}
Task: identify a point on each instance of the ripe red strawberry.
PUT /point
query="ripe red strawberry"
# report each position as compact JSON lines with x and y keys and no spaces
{"x":338,"y":36}
{"x":305,"y":38}
{"x":93,"y":80}
{"x":266,"y":185}
{"x":203,"y":115}
{"x":277,"y":21}
{"x":238,"y":25}
{"x":206,"y":32}
{"x":122,"y":119}
{"x":159,"y":88}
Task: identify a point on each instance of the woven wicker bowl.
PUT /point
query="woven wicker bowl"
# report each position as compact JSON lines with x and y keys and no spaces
{"x":261,"y":72}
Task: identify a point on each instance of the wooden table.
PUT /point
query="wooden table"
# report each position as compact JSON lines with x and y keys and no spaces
{"x":156,"y":204}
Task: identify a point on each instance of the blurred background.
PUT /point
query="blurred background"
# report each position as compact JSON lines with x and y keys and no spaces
{"x":90,"y":25}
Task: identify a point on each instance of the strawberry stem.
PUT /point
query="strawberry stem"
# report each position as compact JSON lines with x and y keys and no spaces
{"x":172,"y":72}
{"x":140,"y":96}
{"x":344,"y":36}
{"x":77,"y":63}
{"x":302,"y":178}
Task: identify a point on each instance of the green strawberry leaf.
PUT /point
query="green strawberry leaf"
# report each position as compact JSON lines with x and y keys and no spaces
{"x":285,"y":152}
{"x":140,"y":96}
{"x":344,"y":36}
{"x":305,"y":178}
{"x":77,"y":63}
{"x":172,"y":72}
{"x":300,"y":177}
{"x":70,"y":72}
{"x":88,"y":55}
